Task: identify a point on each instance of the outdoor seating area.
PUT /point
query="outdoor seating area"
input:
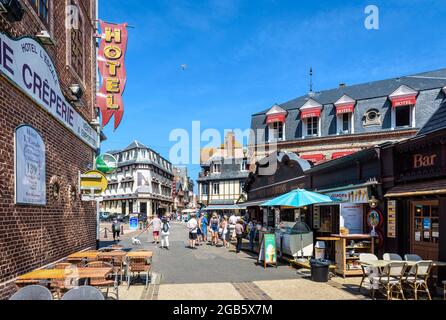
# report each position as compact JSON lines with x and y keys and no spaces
{"x":393,"y":277}
{"x":85,"y":275}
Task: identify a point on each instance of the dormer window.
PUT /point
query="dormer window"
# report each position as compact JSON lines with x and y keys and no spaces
{"x":345,"y":108}
{"x":216,"y":168}
{"x":244,"y":165}
{"x":311,"y":118}
{"x":275,"y":120}
{"x":403,"y":101}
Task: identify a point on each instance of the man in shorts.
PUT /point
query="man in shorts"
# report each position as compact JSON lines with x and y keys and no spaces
{"x":156,"y":224}
{"x":192,"y":226}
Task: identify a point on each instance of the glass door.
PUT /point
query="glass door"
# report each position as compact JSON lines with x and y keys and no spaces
{"x":425,"y":229}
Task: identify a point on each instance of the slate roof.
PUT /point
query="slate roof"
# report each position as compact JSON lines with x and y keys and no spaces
{"x":382,"y":88}
{"x":436,"y":122}
{"x":134,"y":145}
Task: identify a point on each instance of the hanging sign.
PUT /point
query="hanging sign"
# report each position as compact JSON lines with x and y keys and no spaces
{"x":30,"y":183}
{"x":391,"y":219}
{"x":93,"y":184}
{"x":111,"y":66}
{"x":350,"y":196}
{"x":268,"y":251}
{"x":28,"y":66}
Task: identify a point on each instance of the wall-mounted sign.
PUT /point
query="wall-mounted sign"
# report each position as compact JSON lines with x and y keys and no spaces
{"x":106,"y":163}
{"x":316,"y":217}
{"x":391,"y":219}
{"x":30,"y":175}
{"x":375,"y":219}
{"x":111,"y":66}
{"x":92,"y":184}
{"x":27,"y":65}
{"x":133,"y":221}
{"x":350,"y":196}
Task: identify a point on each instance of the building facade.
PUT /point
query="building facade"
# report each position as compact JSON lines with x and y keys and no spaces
{"x":142,"y":183}
{"x":183,"y":190}
{"x":222,"y":179}
{"x":47,"y":130}
{"x":326,"y":125}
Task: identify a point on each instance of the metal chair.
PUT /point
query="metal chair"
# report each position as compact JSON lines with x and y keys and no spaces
{"x":392,"y":257}
{"x":368,"y":272}
{"x":84,"y":293}
{"x":391,"y":279}
{"x":138,"y":265}
{"x":418,"y":277}
{"x":104,"y":282}
{"x":61,"y":286}
{"x":412,"y":257}
{"x":32,"y":292}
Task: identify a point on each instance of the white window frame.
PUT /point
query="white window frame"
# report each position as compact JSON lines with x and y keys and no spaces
{"x":339,"y":126}
{"x":242,"y":165}
{"x":412,"y":118}
{"x":215,"y":165}
{"x":214,"y":185}
{"x":305,"y":128}
{"x":271,"y":132}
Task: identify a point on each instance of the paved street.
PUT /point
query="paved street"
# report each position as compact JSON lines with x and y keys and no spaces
{"x":220,"y":274}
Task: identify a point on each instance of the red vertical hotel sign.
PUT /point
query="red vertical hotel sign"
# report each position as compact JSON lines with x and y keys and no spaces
{"x":111,"y":66}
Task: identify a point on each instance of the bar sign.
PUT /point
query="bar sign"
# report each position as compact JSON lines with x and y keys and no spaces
{"x":391,"y":219}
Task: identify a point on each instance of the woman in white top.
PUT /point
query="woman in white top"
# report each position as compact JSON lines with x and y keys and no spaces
{"x":165,"y":232}
{"x":224,"y":227}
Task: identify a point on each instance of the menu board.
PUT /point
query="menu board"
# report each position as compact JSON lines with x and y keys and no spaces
{"x":352,"y":217}
{"x":30,"y":175}
{"x":391,"y":219}
{"x":316,"y":217}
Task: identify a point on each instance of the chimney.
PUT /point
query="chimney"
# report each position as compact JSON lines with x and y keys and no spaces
{"x":230,"y":145}
{"x":342,"y":85}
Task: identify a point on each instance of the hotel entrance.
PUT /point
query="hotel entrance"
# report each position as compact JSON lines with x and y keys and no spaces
{"x":424,"y":228}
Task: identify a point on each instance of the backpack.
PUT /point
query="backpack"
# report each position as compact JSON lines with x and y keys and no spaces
{"x":165,"y":227}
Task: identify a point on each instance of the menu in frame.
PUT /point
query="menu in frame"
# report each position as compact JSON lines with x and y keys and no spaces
{"x":391,"y":219}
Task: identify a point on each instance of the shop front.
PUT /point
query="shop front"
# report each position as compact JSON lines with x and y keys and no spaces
{"x":418,"y":197}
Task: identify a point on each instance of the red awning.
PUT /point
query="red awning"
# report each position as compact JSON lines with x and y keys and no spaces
{"x":276,"y":118}
{"x":313,"y":157}
{"x":404,"y":101}
{"x":311,"y":113}
{"x":346,"y":108}
{"x":338,"y":155}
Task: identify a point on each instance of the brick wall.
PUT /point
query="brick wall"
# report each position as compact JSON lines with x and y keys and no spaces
{"x":30,"y":236}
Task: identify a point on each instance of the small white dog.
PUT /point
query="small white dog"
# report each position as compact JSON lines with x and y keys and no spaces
{"x":136,"y":242}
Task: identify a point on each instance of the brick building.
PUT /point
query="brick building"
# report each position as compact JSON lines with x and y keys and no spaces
{"x":39,"y":90}
{"x":326,"y":125}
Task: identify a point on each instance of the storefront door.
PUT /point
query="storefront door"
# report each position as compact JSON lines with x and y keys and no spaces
{"x":425,"y":229}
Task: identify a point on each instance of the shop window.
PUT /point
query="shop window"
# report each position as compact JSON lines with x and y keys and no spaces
{"x":276,"y":131}
{"x":42,"y":9}
{"x":426,"y":224}
{"x":77,"y":46}
{"x":403,"y":116}
{"x":216,"y":188}
{"x":312,"y":126}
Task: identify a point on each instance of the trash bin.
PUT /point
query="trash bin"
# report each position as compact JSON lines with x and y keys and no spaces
{"x":319,"y":270}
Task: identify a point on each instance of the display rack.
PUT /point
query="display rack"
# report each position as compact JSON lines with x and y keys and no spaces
{"x":348,"y":249}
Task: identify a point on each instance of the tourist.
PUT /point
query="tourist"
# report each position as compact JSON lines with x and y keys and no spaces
{"x":232,"y":222}
{"x":192,"y":226}
{"x":224,"y":231}
{"x":252,"y":229}
{"x":199,"y":231}
{"x":165,"y":232}
{"x":204,"y":228}
{"x":156,"y":224}
{"x":116,"y":229}
{"x":214,"y":223}
{"x":239,"y":235}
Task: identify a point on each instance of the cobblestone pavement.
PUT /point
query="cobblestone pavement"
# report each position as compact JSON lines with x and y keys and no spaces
{"x":216,"y":273}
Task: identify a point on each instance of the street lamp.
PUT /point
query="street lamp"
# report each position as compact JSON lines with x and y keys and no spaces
{"x":373,"y":202}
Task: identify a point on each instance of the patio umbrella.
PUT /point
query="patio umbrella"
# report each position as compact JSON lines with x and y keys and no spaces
{"x":297,"y":199}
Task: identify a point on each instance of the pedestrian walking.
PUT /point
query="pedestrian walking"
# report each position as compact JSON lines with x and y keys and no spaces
{"x":224,"y":231}
{"x":156,"y":224}
{"x":204,"y":228}
{"x":232,"y":222}
{"x":252,"y":229}
{"x":192,"y":226}
{"x":165,"y":232}
{"x":239,"y":235}
{"x":116,"y":229}
{"x":214,"y":223}
{"x":199,"y":231}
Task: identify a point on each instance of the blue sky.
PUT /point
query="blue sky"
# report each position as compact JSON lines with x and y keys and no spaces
{"x":244,"y":56}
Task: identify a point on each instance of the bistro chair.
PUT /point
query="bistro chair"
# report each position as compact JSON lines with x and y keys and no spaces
{"x":60,"y":286}
{"x":106,"y":282}
{"x":418,"y":277}
{"x":24,"y":283}
{"x":84,"y":293}
{"x":412,"y":257}
{"x":368,"y":272}
{"x":392,"y":257}
{"x":78,"y":262}
{"x":32,"y":292}
{"x":391,"y":279}
{"x":138,"y":265}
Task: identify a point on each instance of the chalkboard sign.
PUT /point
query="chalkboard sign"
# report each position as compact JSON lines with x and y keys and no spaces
{"x":268,"y":250}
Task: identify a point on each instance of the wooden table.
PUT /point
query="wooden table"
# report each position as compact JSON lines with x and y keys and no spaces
{"x":60,"y":274}
{"x":84,"y":255}
{"x":140,"y":254}
{"x":113,"y":254}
